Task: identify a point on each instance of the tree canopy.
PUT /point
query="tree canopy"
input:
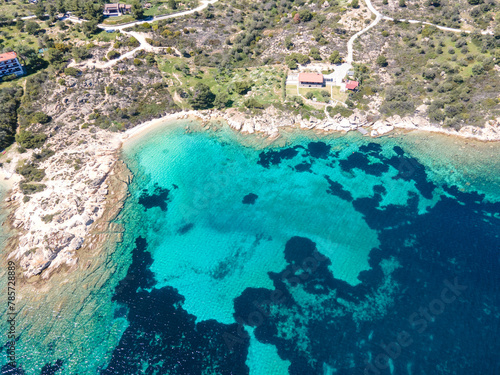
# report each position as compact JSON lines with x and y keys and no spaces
{"x":202,"y":97}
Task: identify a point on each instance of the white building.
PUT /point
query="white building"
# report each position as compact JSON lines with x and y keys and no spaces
{"x":9,"y":64}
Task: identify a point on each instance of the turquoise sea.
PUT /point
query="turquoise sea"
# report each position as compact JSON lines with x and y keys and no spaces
{"x":309,"y":255}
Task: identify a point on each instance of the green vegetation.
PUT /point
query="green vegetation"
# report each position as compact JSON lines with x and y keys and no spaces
{"x":39,"y":118}
{"x":229,"y":86}
{"x":48,"y":218}
{"x":338,"y":109}
{"x":479,"y":13}
{"x":335,"y":58}
{"x":28,"y":139}
{"x":236,"y":54}
{"x":113,"y":54}
{"x":30,"y":172}
{"x":296,"y":58}
{"x":28,"y":189}
{"x":381,"y":61}
{"x":10,"y":99}
{"x":43,"y":155}
{"x":202,"y":97}
{"x":451,"y":73}
{"x":72,"y":72}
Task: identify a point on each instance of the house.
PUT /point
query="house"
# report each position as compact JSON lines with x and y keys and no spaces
{"x":9,"y":64}
{"x":351,"y":85}
{"x":113,"y":10}
{"x":311,"y":80}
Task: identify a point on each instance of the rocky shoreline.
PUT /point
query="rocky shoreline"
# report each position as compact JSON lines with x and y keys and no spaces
{"x":86,"y":186}
{"x":272,"y":120}
{"x":57,"y":222}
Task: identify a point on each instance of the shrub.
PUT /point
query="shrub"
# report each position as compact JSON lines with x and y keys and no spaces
{"x":39,"y":118}
{"x":32,"y":27}
{"x":48,"y":218}
{"x":31,"y":188}
{"x":339,"y":109}
{"x":30,"y":172}
{"x":242,"y":87}
{"x":133,"y":42}
{"x":314,"y":53}
{"x":72,"y":72}
{"x":381,"y":61}
{"x":222,"y":100}
{"x":335,"y":57}
{"x":113,"y":55}
{"x":305,"y":15}
{"x":28,"y":139}
{"x":253,"y":103}
{"x":110,"y":90}
{"x":44,"y":154}
{"x":477,"y":69}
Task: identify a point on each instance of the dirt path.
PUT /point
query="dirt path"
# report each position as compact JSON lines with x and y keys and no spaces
{"x":204,"y":4}
{"x":379,"y":16}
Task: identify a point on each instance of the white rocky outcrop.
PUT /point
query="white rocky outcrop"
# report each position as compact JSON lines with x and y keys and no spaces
{"x":54,"y":223}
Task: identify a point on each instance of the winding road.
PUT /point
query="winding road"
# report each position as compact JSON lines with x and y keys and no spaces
{"x":144,"y":45}
{"x":204,"y":4}
{"x":379,"y":16}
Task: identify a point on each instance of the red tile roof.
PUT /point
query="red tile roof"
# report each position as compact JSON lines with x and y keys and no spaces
{"x":8,"y":56}
{"x":351,"y":85}
{"x":311,"y":77}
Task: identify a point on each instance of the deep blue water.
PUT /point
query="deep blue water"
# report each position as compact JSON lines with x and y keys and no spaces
{"x":336,"y":256}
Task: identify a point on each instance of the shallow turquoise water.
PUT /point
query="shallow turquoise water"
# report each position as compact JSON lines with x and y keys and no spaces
{"x":240,"y":257}
{"x":232,"y":245}
{"x":212,"y":248}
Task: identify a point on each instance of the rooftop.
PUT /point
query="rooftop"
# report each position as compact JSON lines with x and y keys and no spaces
{"x":311,"y":77}
{"x":8,"y":56}
{"x":351,"y":85}
{"x":116,"y":6}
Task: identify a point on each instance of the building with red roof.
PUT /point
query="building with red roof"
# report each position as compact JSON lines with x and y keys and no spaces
{"x":311,"y":80}
{"x":9,"y":64}
{"x":351,"y":85}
